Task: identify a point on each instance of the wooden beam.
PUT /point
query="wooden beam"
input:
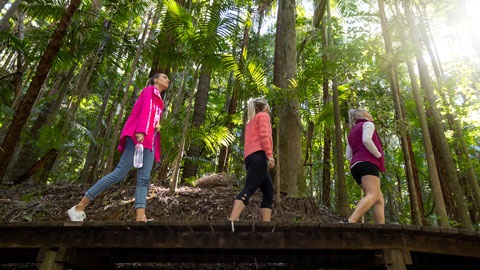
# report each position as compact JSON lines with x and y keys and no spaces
{"x":90,"y":244}
{"x":48,"y":259}
{"x":397,"y":259}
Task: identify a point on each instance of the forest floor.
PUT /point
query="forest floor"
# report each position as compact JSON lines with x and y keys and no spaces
{"x":210,"y":200}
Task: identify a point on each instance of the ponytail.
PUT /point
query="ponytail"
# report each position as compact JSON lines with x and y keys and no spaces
{"x":251,"y":109}
{"x":151,"y":80}
{"x":255,"y":106}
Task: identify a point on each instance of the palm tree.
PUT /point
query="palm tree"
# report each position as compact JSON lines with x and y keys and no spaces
{"x":209,"y":41}
{"x":22,"y":113}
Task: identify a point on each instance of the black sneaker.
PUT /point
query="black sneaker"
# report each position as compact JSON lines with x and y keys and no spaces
{"x":345,"y":221}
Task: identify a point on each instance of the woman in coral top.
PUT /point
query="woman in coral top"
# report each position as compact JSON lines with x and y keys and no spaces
{"x":142,"y":127}
{"x":258,"y":154}
{"x":365,"y":154}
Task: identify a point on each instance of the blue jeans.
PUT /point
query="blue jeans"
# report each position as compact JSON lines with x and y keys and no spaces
{"x":120,"y":172}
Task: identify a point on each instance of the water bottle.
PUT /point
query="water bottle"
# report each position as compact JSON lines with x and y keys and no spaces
{"x":138,"y":156}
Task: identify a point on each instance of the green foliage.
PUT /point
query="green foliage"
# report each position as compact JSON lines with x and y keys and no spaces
{"x":47,"y":10}
{"x":11,"y":43}
{"x":7,"y":92}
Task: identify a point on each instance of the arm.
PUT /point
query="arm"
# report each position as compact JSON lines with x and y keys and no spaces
{"x":143,"y":110}
{"x":265,"y":133}
{"x":368,"y":129}
{"x":348,"y":153}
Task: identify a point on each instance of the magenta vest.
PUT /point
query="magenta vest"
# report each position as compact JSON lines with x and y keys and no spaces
{"x":359,"y":151}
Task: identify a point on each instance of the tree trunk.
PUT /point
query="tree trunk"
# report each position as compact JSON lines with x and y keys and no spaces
{"x":156,"y":14}
{"x":391,"y":69}
{"x":341,"y":198}
{"x":289,"y":125}
{"x":233,"y":102}
{"x":341,"y":184}
{"x":469,"y":182}
{"x":327,"y":159}
{"x":308,"y":156}
{"x":178,"y":160}
{"x":4,"y":22}
{"x":232,"y":108}
{"x":129,"y":73}
{"x":14,"y":132}
{"x":179,"y":98}
{"x":470,"y":178}
{"x":432,"y":166}
{"x":91,"y":162}
{"x":29,"y":153}
{"x":20,"y":57}
{"x":429,"y":155}
{"x":327,"y":134}
{"x":198,"y":118}
{"x":80,"y":90}
{"x":425,"y":80}
{"x":2,"y":3}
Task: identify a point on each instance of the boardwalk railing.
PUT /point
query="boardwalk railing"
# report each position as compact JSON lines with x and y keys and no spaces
{"x":102,"y":245}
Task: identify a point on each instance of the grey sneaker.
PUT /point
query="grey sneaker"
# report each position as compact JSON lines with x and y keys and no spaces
{"x":75,"y":215}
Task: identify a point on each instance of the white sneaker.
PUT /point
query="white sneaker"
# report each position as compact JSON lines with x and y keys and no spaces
{"x":75,"y":215}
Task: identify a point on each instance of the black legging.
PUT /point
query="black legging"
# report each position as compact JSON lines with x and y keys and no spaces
{"x":257,"y":177}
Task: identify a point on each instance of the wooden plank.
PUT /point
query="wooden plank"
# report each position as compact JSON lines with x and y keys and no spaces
{"x":295,"y":240}
{"x":48,"y":260}
{"x":267,"y":227}
{"x":467,"y":234}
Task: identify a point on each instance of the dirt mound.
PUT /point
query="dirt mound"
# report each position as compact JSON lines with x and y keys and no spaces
{"x":214,"y":180}
{"x":211,"y":199}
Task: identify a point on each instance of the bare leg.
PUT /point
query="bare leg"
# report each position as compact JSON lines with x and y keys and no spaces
{"x":237,"y":209}
{"x":373,"y":197}
{"x":379,"y":210}
{"x":141,"y":214}
{"x":266,"y":214}
{"x":82,"y":204}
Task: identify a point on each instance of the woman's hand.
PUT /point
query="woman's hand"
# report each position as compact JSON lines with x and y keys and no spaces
{"x":271,"y":162}
{"x":139,"y":137}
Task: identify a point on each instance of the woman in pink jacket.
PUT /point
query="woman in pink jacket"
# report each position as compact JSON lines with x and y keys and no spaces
{"x":258,"y":154}
{"x":142,"y":127}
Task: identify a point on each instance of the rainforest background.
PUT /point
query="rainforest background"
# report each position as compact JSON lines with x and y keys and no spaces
{"x":71,"y":70}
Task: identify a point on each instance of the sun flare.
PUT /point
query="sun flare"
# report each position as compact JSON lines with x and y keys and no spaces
{"x":458,"y":37}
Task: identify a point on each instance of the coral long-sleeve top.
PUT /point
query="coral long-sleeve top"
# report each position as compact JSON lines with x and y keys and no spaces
{"x":258,"y":135}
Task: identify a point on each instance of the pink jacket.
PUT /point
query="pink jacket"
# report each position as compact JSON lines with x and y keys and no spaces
{"x":258,"y":135}
{"x":145,"y":115}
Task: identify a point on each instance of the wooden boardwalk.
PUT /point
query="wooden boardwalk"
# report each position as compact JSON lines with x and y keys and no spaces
{"x":102,"y":245}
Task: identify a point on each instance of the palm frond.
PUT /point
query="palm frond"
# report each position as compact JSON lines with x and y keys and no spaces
{"x":44,"y":9}
{"x":215,"y":137}
{"x":8,"y":40}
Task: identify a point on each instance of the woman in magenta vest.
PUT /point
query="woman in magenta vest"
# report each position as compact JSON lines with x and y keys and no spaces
{"x":142,"y":126}
{"x":365,"y":154}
